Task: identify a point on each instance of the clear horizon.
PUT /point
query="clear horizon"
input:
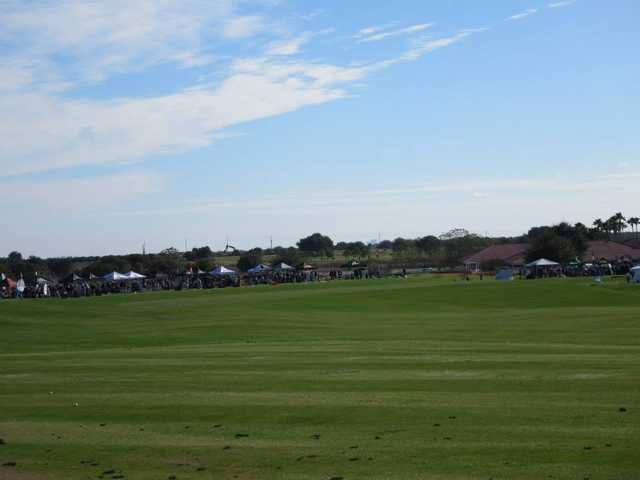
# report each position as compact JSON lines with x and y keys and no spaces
{"x":127,"y":122}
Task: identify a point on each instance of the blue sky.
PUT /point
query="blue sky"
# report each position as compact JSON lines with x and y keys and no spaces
{"x":160,"y":121}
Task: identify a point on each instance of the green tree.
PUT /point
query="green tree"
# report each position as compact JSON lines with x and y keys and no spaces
{"x":355,"y":250}
{"x":552,"y":246}
{"x":402,"y":245}
{"x":428,"y":245}
{"x":14,"y":257}
{"x":618,"y":223}
{"x":199,"y":253}
{"x":384,"y":245}
{"x":317,"y":245}
{"x":577,"y":235}
{"x":60,"y":267}
{"x":291,"y":256}
{"x":249,"y":260}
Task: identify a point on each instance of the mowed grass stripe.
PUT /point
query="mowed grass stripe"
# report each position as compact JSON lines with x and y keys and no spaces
{"x":419,"y":378}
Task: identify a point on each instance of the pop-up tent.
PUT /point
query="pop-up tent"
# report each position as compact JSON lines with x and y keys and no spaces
{"x":131,"y":275}
{"x":635,"y":274}
{"x":543,"y":262}
{"x":73,"y":278}
{"x":504,"y":274}
{"x":221,"y":271}
{"x":114,"y":277}
{"x":352,"y":264}
{"x":260,"y":268}
{"x":282,"y":267}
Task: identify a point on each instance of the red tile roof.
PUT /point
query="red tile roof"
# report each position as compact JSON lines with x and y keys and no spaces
{"x":512,"y":253}
{"x":609,"y":250}
{"x":515,"y":253}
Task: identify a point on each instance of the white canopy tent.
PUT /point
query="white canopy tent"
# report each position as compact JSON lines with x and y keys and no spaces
{"x":134,"y":276}
{"x":260,"y":268}
{"x":543,"y":262}
{"x":114,"y":277}
{"x":282,"y":267}
{"x":221,"y":271}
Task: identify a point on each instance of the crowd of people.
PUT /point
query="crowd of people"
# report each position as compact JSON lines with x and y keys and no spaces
{"x":76,"y":286}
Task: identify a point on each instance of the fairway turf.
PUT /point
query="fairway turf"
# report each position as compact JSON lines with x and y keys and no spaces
{"x":424,"y":378}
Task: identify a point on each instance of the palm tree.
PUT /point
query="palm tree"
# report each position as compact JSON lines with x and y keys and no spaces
{"x":616,"y":224}
{"x":620,"y":222}
{"x":634,"y":222}
{"x":598,"y":224}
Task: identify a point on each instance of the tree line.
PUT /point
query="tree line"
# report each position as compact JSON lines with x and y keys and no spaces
{"x":563,"y":242}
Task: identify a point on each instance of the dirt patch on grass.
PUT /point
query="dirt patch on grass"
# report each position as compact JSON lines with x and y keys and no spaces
{"x":13,"y":474}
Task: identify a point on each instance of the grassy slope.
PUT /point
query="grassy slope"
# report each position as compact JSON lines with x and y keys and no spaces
{"x":533,"y":373}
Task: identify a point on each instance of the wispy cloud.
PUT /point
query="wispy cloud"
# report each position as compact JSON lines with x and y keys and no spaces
{"x":96,"y":40}
{"x":376,"y":34}
{"x":367,"y":31}
{"x":428,"y":45}
{"x":307,"y":17}
{"x":522,"y":15}
{"x":78,"y":195}
{"x":242,"y":27}
{"x":72,"y":132}
{"x":375,"y":199}
{"x":288,"y":47}
{"x":562,"y":4}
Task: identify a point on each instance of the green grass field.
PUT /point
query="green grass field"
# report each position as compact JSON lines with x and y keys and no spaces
{"x":425,"y":378}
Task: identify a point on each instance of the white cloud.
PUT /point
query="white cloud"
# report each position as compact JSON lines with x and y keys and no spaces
{"x":78,"y":195}
{"x":15,"y":75}
{"x":522,"y":15}
{"x":312,"y":15}
{"x":288,"y":47}
{"x":456,"y":195}
{"x":100,"y":39}
{"x":367,"y":31}
{"x":242,"y":27}
{"x":73,"y":132}
{"x":428,"y":45}
{"x":376,"y":34}
{"x":562,"y":4}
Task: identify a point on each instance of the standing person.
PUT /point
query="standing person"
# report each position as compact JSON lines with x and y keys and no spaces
{"x":20,"y":286}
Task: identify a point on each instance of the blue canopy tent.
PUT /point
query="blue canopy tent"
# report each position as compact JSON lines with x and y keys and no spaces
{"x":504,"y":274}
{"x":221,"y":271}
{"x":114,"y":277}
{"x":260,"y":268}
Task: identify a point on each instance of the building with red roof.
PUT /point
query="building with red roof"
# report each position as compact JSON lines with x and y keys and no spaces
{"x":515,"y":254}
{"x":610,"y":251}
